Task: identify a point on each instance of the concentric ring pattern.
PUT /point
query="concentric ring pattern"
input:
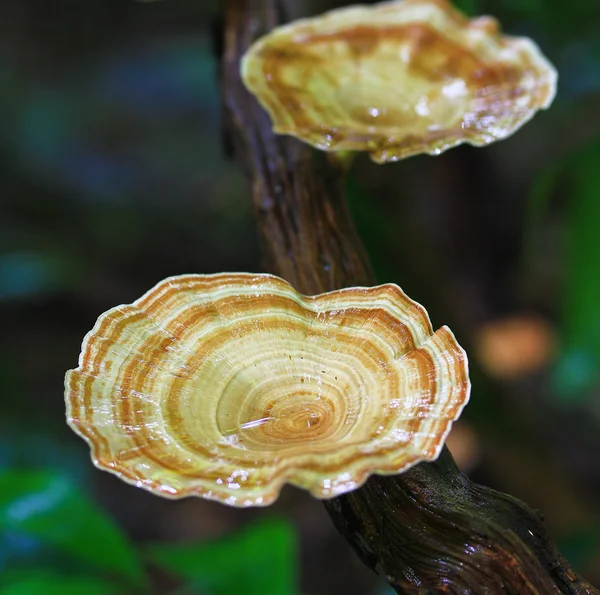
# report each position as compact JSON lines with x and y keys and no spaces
{"x":397,"y":78}
{"x":227,"y":386}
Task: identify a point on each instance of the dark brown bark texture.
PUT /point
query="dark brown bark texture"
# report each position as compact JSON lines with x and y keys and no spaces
{"x":428,"y":530}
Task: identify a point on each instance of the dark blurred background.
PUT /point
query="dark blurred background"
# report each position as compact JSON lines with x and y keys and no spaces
{"x":112,"y":177}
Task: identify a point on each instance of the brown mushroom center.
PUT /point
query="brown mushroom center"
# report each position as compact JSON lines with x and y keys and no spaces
{"x":289,"y":410}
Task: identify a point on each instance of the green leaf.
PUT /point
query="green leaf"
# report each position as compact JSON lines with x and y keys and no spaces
{"x":541,"y":193}
{"x":469,"y":7}
{"x":37,"y":582}
{"x":48,"y":506}
{"x":259,"y":560}
{"x":579,"y":368}
{"x":580,"y":546}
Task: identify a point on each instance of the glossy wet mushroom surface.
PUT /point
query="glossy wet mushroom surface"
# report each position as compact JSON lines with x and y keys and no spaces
{"x":397,"y":78}
{"x":227,"y":386}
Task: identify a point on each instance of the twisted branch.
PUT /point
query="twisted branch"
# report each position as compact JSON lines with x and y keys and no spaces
{"x":429,"y":530}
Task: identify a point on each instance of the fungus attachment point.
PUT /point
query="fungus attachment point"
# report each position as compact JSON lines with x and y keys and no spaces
{"x":228,"y":386}
{"x":397,"y":78}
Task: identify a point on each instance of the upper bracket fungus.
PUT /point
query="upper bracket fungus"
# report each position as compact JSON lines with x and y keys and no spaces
{"x":227,"y":386}
{"x":397,"y":78}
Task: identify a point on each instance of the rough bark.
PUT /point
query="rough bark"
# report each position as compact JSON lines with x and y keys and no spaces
{"x":430,"y":529}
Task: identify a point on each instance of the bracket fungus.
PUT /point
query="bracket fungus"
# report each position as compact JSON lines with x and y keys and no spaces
{"x":227,"y":386}
{"x":397,"y":79}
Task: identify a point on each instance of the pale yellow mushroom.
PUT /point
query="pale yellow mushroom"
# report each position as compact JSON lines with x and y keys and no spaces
{"x":227,"y":386}
{"x":397,"y":78}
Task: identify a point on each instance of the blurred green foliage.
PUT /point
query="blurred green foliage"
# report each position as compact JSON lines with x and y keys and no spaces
{"x":46,"y":506}
{"x":257,"y":560}
{"x":41,"y":582}
{"x":579,"y":367}
{"x":577,"y":372}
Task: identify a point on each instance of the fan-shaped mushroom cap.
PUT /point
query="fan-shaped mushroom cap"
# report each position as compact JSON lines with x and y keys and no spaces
{"x":397,"y":78}
{"x":227,"y":386}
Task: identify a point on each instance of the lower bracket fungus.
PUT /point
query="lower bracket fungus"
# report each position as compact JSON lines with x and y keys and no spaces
{"x":397,"y":79}
{"x":227,"y":386}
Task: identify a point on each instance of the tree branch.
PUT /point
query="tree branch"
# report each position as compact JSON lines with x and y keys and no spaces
{"x":430,"y":529}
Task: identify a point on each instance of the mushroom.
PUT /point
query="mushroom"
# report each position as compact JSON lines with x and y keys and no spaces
{"x":227,"y":386}
{"x":397,"y":78}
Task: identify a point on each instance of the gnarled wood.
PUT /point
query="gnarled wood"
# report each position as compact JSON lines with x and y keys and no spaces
{"x":430,"y":529}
